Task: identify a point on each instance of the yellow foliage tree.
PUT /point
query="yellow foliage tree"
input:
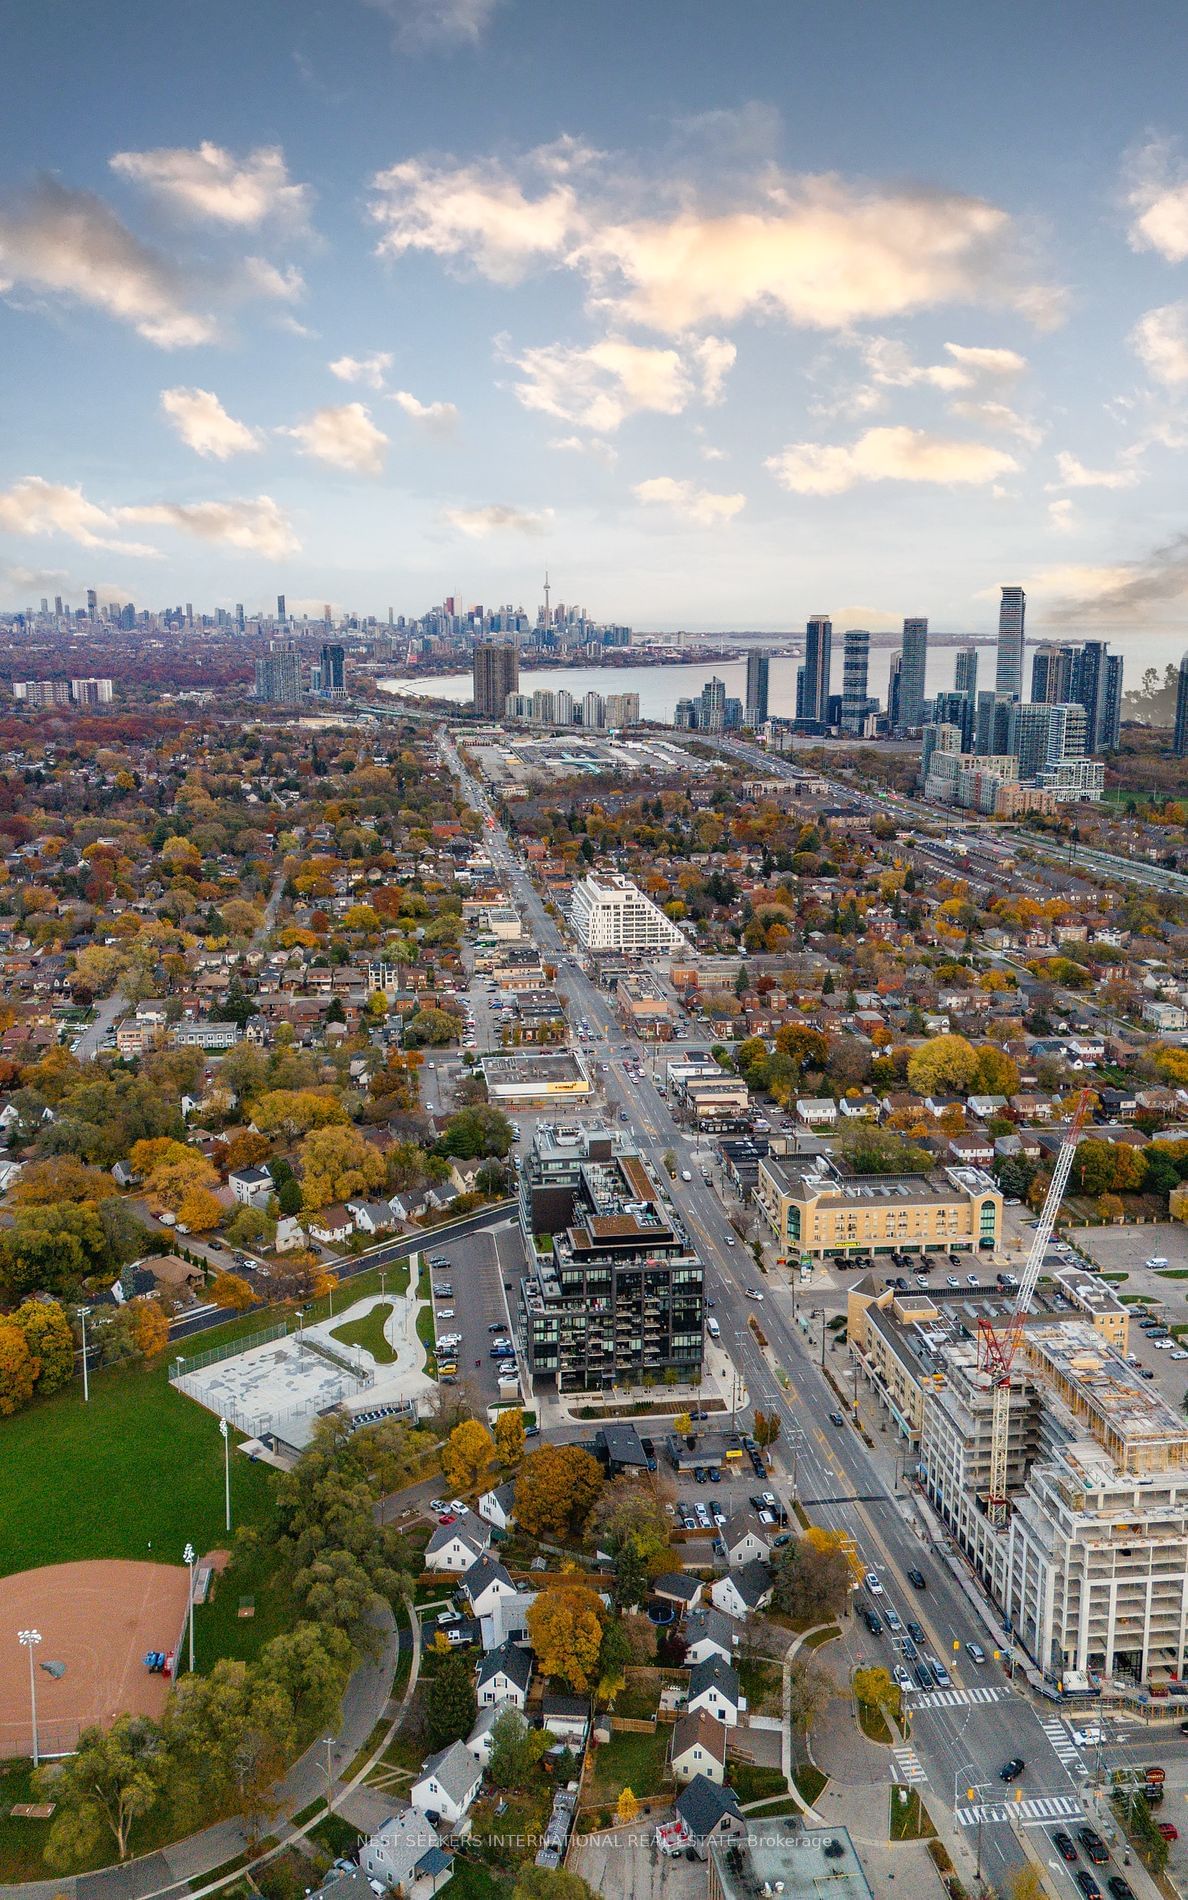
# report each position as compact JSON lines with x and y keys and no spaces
{"x":566,"y":1624}
{"x":509,"y":1436}
{"x":467,"y":1456}
{"x":626,"y":1808}
{"x":200,"y":1210}
{"x":18,"y":1369}
{"x":232,"y":1293}
{"x":150,"y":1327}
{"x":947,"y":1062}
{"x":338,"y":1163}
{"x":556,"y":1489}
{"x":295,"y":1112}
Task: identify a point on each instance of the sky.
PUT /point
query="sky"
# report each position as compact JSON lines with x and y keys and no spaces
{"x":724,"y":314}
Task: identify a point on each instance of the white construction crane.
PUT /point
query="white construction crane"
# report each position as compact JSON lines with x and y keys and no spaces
{"x":997,"y":1346}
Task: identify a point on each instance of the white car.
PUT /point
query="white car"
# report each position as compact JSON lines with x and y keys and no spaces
{"x":872,"y":1583}
{"x":1156,"y":1260}
{"x":445,"y":1312}
{"x":1178,"y":1352}
{"x":437,"y":1505}
{"x":456,"y":1504}
{"x":730,"y":1241}
{"x":1163,"y":1345}
{"x":1086,"y":1737}
{"x":753,"y":1293}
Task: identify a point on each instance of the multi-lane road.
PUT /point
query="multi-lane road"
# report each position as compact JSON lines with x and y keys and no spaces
{"x":960,"y":1736}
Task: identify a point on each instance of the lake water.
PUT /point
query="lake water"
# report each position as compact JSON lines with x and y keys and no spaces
{"x":659,"y":687}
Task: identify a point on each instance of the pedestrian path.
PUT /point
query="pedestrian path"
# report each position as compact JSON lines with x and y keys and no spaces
{"x":1061,"y":1741}
{"x":1034,"y":1813}
{"x":908,"y":1766}
{"x":958,"y":1698}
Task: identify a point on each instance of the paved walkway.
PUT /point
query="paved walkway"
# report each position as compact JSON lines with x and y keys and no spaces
{"x":179,"y":1869}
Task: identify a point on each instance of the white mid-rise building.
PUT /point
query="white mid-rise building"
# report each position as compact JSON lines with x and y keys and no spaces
{"x":609,"y":912}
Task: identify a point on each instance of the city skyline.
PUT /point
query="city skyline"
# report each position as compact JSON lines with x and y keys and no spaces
{"x":706,"y":338}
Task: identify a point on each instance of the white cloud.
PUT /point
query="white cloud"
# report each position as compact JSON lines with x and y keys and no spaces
{"x":35,"y":507}
{"x":1158,"y":197}
{"x":478,"y":523}
{"x":699,"y":505}
{"x":438,"y":417}
{"x":818,"y":250}
{"x":363,"y":369}
{"x":345,"y":437}
{"x":1074,"y":474}
{"x":1160,"y":340}
{"x":1000,"y":419}
{"x":209,"y":182}
{"x":895,"y":454}
{"x":70,"y":244}
{"x":591,"y":445}
{"x":204,"y":425}
{"x":255,"y":524}
{"x":600,"y":385}
{"x":1062,"y":516}
{"x":263,"y":279}
{"x":421,"y":24}
{"x":993,"y":365}
{"x":710,"y":454}
{"x":36,"y":580}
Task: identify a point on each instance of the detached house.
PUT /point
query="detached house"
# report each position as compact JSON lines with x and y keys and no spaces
{"x":504,"y":1676}
{"x":485,"y":1583}
{"x":713,"y":1686}
{"x":251,"y":1186}
{"x":709,"y":1632}
{"x":456,"y":1547}
{"x":498,"y":1506}
{"x":406,"y":1856}
{"x":745,"y":1539}
{"x":742,"y":1591}
{"x":706,"y":1812}
{"x":448,"y":1784}
{"x":699,"y":1748}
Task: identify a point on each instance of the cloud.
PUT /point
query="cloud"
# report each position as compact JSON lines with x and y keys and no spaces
{"x":439,"y":418}
{"x":345,"y":437}
{"x":1062,"y":516}
{"x":898,"y":454}
{"x":699,"y":505}
{"x":591,"y":445}
{"x":478,"y":523}
{"x":1158,"y":197}
{"x":1000,"y":419}
{"x":258,"y":524}
{"x":1074,"y":474}
{"x":600,"y":385}
{"x":70,"y":244}
{"x":818,"y":250}
{"x":209,"y":182}
{"x":1120,"y":596}
{"x":263,"y":279}
{"x":363,"y":369}
{"x":35,"y":507}
{"x":1160,"y":340}
{"x":36,"y":580}
{"x":204,"y":425}
{"x":420,"y":25}
{"x":890,"y":365}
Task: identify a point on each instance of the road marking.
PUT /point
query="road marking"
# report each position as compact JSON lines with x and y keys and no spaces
{"x":950,"y":1698}
{"x":1061,"y":1741}
{"x":1035,"y":1813}
{"x":908,"y":1766}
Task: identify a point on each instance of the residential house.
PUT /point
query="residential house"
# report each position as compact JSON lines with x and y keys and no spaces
{"x":679,"y":1587}
{"x":713,"y":1686}
{"x":484,"y":1583}
{"x":706,"y":1812}
{"x":742,"y":1591}
{"x":709,"y":1632}
{"x":405,"y":1855}
{"x":481,"y":1741}
{"x":507,"y":1619}
{"x":332,"y":1224}
{"x":498,"y":1506}
{"x":251,"y":1186}
{"x":457,"y":1547}
{"x":504,"y":1676}
{"x":698,"y":1748}
{"x":744,"y":1538}
{"x":817,"y":1111}
{"x":371,"y":1217}
{"x":447,"y":1784}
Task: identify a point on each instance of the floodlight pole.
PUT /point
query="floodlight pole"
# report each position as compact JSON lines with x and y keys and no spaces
{"x":226,"y":1434}
{"x":82,"y":1314}
{"x":188,"y":1560}
{"x":29,"y":1640}
{"x":328,"y":1745}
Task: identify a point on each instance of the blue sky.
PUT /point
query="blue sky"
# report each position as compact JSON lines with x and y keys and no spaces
{"x":727,"y":314}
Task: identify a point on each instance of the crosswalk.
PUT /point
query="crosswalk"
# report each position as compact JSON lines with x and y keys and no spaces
{"x":908,"y":1766}
{"x":1034,"y":1813}
{"x":956,"y":1698}
{"x":1061,"y":1741}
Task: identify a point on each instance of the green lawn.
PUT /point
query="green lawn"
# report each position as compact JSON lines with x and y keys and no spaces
{"x":22,"y":1843}
{"x":136,"y":1473}
{"x":630,"y":1761}
{"x":470,"y":1881}
{"x":810,"y":1781}
{"x":909,"y":1817}
{"x":753,"y":1781}
{"x":873,"y":1722}
{"x":428,"y":1336}
{"x":822,"y":1636}
{"x":368,"y":1332}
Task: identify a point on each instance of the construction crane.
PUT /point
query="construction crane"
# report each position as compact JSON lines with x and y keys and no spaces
{"x":997,"y":1345}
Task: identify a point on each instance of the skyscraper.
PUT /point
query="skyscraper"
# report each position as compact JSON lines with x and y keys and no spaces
{"x":992,"y":725}
{"x":1180,"y":739}
{"x":496,"y":674}
{"x":1109,"y":724}
{"x":893,"y":687}
{"x":278,"y":674}
{"x":817,"y":656}
{"x":92,"y":603}
{"x":1052,"y":674}
{"x":281,"y":615}
{"x":855,"y":679}
{"x":758,"y":674}
{"x":1097,"y":685}
{"x":911,"y":678}
{"x":965,"y":678}
{"x":333,"y":670}
{"x":1008,"y":677}
{"x":711,"y":713}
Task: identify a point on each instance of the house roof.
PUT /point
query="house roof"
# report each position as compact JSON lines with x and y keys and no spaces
{"x":678,"y":1584}
{"x":511,"y":1660}
{"x":752,"y":1581}
{"x":702,"y":1804}
{"x":713,"y":1673}
{"x":701,"y":1727}
{"x":482,"y":1573}
{"x":454,"y":1769}
{"x":710,"y":1623}
{"x":574,"y":1707}
{"x":404,"y":1838}
{"x":447,"y":1534}
{"x":740,"y":1523}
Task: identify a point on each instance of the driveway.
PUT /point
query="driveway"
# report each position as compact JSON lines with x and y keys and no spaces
{"x":627,"y":1865}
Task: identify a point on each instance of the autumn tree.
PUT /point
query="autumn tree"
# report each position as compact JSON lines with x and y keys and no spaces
{"x":550,"y":1883}
{"x":810,"y":1584}
{"x":231,"y":1292}
{"x":18,"y":1369}
{"x":631,"y":1516}
{"x":99,"y":1793}
{"x":626,"y":1809}
{"x":50,"y":1340}
{"x":810,"y":1692}
{"x":61,"y":1178}
{"x":339,"y":1164}
{"x":556,"y":1489}
{"x":874,"y":1687}
{"x":946,"y":1062}
{"x":467,"y":1456}
{"x":200,"y":1210}
{"x":565,"y":1624}
{"x":509,"y":1436}
{"x":294,"y":1112}
{"x":766,"y":1429}
{"x":150,"y":1327}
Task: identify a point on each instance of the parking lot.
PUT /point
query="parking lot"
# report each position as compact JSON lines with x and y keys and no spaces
{"x":1125,"y":1250}
{"x":476,"y":1269}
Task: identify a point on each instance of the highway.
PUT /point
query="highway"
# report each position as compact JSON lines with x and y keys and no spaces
{"x":963,"y":1736}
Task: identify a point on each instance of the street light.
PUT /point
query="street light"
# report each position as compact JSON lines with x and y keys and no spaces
{"x":29,"y":1639}
{"x":225,"y":1432}
{"x":328,"y":1745}
{"x":188,"y":1560}
{"x":82,"y":1314}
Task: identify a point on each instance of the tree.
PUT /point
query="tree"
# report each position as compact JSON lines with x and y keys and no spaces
{"x":565,"y":1625}
{"x":50,"y":1340}
{"x":150,"y":1327}
{"x":766,"y":1428}
{"x":476,"y":1131}
{"x":682,"y":1424}
{"x":874,"y":1687}
{"x":1026,"y":1883}
{"x":1109,"y":1207}
{"x":631,"y":1578}
{"x":947,"y":1062}
{"x":467,"y":1455}
{"x":312,"y":1664}
{"x":113,"y":1778}
{"x":61,"y":1178}
{"x":811,"y":1691}
{"x":232,"y":1293}
{"x":509,"y":1436}
{"x":18,"y":1369}
{"x":294,"y":1112}
{"x":997,"y":1073}
{"x":200,"y":1210}
{"x":631,"y":1516}
{"x":808,"y":1583}
{"x":452,"y":1706}
{"x":515,"y":1750}
{"x":338,"y":1164}
{"x":626,"y":1809}
{"x":556,"y":1489}
{"x":550,"y":1883}
{"x":251,"y":1227}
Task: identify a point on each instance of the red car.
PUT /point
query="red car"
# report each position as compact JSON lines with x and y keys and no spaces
{"x":447,"y":1517}
{"x":1169,"y":1830}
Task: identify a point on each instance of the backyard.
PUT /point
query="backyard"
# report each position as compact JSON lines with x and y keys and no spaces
{"x":638,"y":1762}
